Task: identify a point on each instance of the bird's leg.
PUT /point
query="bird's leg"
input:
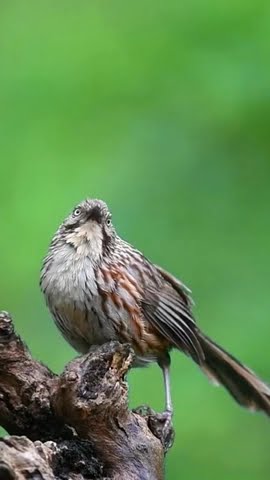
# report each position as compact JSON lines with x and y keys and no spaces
{"x":164,"y":363}
{"x":164,"y":420}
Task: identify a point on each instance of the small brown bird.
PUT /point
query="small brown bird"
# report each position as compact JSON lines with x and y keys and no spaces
{"x":99,"y":288}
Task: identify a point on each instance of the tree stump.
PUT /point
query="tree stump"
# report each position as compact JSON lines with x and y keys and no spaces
{"x":76,"y":425}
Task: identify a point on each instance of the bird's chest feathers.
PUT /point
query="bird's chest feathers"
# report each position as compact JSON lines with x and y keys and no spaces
{"x":71,"y":279}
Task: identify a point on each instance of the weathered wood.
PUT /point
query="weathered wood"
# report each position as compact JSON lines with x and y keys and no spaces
{"x":76,"y":425}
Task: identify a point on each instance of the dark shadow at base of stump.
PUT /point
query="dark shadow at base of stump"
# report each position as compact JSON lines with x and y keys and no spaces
{"x":76,"y":425}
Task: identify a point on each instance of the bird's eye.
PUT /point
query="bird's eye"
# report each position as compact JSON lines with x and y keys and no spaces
{"x":77,"y":211}
{"x":108,"y":222}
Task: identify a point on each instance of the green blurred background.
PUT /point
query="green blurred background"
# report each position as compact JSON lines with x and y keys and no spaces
{"x":162,"y":109}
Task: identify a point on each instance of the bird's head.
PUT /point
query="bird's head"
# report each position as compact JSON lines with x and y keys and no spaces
{"x":89,"y":228}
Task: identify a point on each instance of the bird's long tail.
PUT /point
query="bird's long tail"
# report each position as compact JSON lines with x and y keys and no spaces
{"x":243,"y":384}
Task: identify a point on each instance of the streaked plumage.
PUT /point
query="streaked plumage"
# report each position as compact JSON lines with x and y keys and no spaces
{"x":99,"y":288}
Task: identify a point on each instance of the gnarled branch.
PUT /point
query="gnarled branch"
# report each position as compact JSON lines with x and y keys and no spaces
{"x":76,"y":425}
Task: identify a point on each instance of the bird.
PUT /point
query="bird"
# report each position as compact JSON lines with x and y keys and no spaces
{"x":99,"y":288}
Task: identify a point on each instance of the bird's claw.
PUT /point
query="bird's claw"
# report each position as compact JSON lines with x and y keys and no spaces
{"x":160,"y":425}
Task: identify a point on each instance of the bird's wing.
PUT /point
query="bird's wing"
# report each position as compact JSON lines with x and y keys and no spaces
{"x":178,"y":286}
{"x":167,"y":308}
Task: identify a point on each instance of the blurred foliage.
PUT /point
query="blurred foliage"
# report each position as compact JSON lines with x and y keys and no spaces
{"x":161,"y":109}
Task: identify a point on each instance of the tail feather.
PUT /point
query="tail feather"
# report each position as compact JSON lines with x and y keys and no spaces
{"x":243,"y":384}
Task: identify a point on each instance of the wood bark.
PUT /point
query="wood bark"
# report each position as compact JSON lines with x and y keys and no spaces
{"x":76,"y":425}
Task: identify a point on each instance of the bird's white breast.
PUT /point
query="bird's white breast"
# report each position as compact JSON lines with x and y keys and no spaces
{"x":70,"y":274}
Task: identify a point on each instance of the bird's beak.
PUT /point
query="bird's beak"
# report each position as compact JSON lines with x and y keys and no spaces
{"x":94,"y":215}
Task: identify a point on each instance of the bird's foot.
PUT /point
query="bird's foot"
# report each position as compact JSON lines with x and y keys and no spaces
{"x":160,"y":425}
